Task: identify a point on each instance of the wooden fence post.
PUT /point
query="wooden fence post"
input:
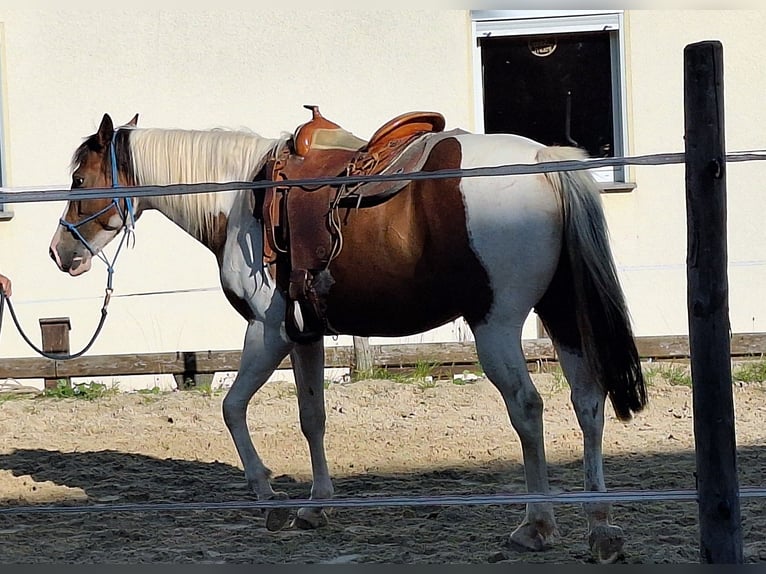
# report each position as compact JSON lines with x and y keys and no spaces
{"x":191,"y":378}
{"x":362,"y":356}
{"x":55,"y":339}
{"x":708,"y":305}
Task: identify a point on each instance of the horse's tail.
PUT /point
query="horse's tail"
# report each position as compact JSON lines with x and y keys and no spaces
{"x":589,"y":286}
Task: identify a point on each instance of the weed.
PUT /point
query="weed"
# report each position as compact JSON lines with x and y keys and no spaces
{"x":11,"y":389}
{"x":750,"y":372}
{"x":88,"y":391}
{"x":206,"y":389}
{"x":380,"y":373}
{"x":426,"y":383}
{"x":403,"y":378}
{"x":150,"y":396}
{"x":559,"y":380}
{"x":5,"y":397}
{"x":421,"y":373}
{"x":155,"y":390}
{"x":424,"y":370}
{"x":674,"y":374}
{"x":650,"y":372}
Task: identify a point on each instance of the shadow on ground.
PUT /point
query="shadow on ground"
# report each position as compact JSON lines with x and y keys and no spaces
{"x":655,"y":532}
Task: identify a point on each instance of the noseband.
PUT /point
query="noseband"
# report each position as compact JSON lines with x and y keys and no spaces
{"x":128,"y":219}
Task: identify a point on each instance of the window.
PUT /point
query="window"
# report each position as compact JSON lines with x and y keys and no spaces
{"x":556,"y":77}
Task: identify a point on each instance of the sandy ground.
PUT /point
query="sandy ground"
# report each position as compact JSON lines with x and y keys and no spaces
{"x":384,"y":438}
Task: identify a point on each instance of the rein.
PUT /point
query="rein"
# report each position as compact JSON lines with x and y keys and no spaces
{"x":128,"y":223}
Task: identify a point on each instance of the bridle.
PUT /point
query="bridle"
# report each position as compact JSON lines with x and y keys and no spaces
{"x":127,"y":215}
{"x":128,"y":224}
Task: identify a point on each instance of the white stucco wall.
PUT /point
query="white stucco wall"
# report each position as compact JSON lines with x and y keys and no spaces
{"x":62,"y":69}
{"x":648,"y":226}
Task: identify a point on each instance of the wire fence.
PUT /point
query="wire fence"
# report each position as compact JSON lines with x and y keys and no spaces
{"x":615,"y":496}
{"x":28,"y":195}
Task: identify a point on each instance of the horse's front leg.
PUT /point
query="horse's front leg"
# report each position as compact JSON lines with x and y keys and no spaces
{"x":265,"y":347}
{"x":308,"y":366}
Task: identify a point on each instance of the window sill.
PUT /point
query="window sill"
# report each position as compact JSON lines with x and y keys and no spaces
{"x":6,"y":215}
{"x":617,"y":187}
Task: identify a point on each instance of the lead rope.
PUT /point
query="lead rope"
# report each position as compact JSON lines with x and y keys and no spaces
{"x":56,"y":356}
{"x":128,"y":221}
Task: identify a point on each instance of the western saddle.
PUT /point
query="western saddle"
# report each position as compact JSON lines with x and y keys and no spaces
{"x":302,"y":229}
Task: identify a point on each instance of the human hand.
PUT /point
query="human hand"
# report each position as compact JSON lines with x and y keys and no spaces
{"x":5,"y":285}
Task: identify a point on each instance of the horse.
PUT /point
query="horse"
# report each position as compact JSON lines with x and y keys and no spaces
{"x":488,"y":249}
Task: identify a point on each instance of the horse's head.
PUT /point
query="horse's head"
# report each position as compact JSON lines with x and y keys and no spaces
{"x":90,"y":224}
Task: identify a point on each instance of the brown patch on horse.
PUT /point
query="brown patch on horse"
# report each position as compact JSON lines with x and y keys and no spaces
{"x":215,"y":236}
{"x":94,"y":154}
{"x":92,"y":167}
{"x":406,"y":264}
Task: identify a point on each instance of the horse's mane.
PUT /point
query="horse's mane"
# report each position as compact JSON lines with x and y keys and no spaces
{"x":168,"y":156}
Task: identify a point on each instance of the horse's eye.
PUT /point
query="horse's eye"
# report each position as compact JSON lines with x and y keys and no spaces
{"x":77,"y":181}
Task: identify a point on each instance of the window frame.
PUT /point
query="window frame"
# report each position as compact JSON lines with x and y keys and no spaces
{"x":500,"y":23}
{"x":6,"y":213}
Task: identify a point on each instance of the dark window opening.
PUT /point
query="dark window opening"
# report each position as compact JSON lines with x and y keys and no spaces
{"x":555,"y":89}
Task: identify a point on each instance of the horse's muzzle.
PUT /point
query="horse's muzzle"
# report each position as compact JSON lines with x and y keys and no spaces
{"x":77,"y":265}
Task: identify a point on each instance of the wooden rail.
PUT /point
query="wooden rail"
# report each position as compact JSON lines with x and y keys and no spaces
{"x":186,"y":364}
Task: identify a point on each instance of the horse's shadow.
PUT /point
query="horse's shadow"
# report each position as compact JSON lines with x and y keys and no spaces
{"x":128,"y":477}
{"x":108,"y":474}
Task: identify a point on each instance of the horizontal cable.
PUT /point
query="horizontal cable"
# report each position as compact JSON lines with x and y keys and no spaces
{"x":384,"y":501}
{"x":47,"y":194}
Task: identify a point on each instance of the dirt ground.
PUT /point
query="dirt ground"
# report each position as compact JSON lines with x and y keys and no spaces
{"x":384,"y":438}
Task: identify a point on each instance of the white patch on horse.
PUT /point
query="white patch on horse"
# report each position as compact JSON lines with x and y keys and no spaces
{"x":241,"y":270}
{"x":506,"y":214}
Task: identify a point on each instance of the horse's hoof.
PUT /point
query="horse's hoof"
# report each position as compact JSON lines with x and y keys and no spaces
{"x":309,"y":519}
{"x":276,"y":518}
{"x":529,"y":537}
{"x":606,"y":542}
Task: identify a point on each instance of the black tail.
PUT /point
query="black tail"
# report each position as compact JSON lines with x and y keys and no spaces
{"x":586,"y":285}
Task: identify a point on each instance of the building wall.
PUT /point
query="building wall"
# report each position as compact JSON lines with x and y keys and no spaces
{"x":62,"y":69}
{"x":648,"y":226}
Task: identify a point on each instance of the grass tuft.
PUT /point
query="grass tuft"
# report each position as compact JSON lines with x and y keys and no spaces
{"x":88,"y":391}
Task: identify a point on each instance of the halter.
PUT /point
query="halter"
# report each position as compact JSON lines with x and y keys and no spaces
{"x":128,"y":223}
{"x":128,"y":218}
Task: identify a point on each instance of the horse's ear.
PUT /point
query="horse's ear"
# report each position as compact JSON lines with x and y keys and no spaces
{"x":133,"y":122}
{"x":105,"y":130}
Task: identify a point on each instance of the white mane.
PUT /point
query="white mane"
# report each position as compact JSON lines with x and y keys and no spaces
{"x":168,"y":156}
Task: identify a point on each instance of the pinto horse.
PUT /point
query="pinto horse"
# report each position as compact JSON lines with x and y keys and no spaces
{"x":489,"y":249}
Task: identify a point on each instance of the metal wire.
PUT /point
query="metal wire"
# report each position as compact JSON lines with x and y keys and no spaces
{"x":384,"y":501}
{"x":47,"y":194}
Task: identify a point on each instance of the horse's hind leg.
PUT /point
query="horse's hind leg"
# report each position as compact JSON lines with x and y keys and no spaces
{"x":499,"y":350}
{"x":263,"y":350}
{"x":605,"y":540}
{"x":308,"y":366}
